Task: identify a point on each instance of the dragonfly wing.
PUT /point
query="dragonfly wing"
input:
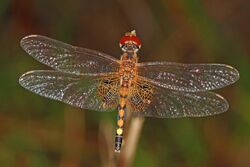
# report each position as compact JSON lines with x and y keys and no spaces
{"x":68,"y":58}
{"x":156,"y":101}
{"x":77,"y":90}
{"x":188,"y":77}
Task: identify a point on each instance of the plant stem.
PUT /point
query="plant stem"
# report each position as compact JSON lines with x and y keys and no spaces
{"x":128,"y":154}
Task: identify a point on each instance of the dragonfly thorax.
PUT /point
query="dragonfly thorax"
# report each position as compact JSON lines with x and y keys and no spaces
{"x":128,"y":67}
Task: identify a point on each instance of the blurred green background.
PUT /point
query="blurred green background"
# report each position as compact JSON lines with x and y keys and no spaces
{"x":35,"y":131}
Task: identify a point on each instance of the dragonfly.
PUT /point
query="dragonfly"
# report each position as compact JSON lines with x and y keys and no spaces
{"x":93,"y":80}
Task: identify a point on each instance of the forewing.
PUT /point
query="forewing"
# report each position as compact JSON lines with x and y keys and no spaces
{"x":188,"y":77}
{"x":68,"y":58}
{"x":166,"y":103}
{"x":76,"y":90}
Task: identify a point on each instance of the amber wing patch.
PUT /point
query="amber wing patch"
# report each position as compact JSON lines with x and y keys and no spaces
{"x":140,"y":95}
{"x":108,"y":91}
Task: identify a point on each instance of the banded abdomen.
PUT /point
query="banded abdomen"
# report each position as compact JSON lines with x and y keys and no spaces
{"x":121,"y":117}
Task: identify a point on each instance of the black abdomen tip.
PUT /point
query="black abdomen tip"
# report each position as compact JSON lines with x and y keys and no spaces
{"x":118,"y":143}
{"x":118,"y":147}
{"x":118,"y":139}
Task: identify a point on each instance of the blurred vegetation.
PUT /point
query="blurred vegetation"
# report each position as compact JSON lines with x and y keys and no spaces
{"x":36,"y":131}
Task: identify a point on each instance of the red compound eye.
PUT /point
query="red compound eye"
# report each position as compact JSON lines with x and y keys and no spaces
{"x":129,"y":38}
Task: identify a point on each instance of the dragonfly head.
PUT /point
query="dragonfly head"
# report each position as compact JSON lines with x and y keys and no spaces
{"x":130,"y":42}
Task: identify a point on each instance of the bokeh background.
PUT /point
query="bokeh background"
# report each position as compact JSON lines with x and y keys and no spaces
{"x":35,"y":131}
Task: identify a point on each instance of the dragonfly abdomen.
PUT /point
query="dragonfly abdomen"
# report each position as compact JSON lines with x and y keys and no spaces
{"x":121,"y":115}
{"x":119,"y":130}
